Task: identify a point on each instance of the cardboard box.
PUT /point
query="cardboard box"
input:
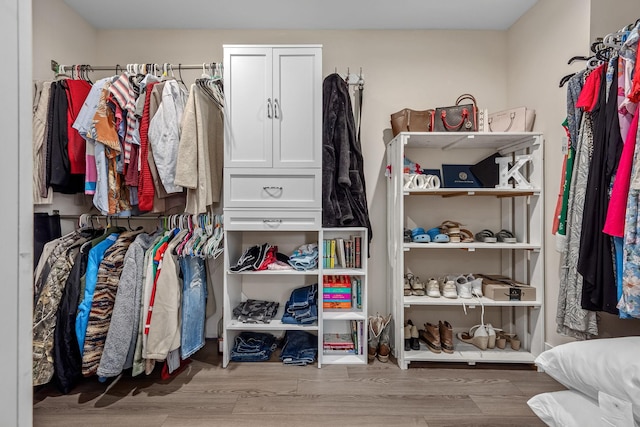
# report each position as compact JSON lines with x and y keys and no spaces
{"x":501,"y":288}
{"x":459,"y":176}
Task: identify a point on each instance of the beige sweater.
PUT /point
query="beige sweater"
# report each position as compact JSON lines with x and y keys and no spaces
{"x":200,"y":152}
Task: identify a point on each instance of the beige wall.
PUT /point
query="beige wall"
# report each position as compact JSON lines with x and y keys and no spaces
{"x":608,"y":16}
{"x":59,"y":33}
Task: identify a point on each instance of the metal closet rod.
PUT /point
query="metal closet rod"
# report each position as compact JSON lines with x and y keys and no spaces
{"x":56,"y":67}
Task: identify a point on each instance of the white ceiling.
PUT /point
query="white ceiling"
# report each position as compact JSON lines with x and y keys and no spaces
{"x":302,"y":14}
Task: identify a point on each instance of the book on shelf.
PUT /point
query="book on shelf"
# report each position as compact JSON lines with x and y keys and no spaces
{"x":334,"y":304}
{"x":336,"y":351}
{"x":337,"y":339}
{"x":357,"y":242}
{"x":342,"y":262}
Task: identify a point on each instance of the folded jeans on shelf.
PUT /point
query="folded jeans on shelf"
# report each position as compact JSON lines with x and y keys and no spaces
{"x":303,"y":316}
{"x":300,"y":348}
{"x":253,"y":347}
{"x":302,"y":297}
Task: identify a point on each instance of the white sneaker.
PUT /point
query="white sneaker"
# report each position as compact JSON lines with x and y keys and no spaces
{"x":448,"y":289}
{"x":463,"y":287}
{"x":433,"y":288}
{"x":476,"y":285}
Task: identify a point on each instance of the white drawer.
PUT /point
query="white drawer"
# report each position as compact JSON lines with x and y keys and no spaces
{"x":272,"y":220}
{"x":278,"y":188}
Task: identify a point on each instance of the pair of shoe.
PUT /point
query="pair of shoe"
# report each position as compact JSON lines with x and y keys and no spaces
{"x":503,"y":338}
{"x":503,"y":236}
{"x":413,"y":285}
{"x":411,"y":337}
{"x":482,"y":336}
{"x":438,"y":338}
{"x":379,"y":342}
{"x":468,"y":286}
{"x":441,"y":287}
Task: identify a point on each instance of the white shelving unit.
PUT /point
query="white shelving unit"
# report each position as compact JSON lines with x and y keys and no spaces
{"x":272,"y":173}
{"x":339,"y":320}
{"x":518,"y":210}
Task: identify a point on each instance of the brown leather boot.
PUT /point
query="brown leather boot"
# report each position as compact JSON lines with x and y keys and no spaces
{"x":446,"y":336}
{"x":431,"y":336}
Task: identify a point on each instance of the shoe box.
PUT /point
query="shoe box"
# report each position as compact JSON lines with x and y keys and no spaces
{"x":502,"y":288}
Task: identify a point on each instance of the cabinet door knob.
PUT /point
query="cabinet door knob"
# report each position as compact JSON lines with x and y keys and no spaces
{"x":276,"y":107}
{"x":268,"y":108}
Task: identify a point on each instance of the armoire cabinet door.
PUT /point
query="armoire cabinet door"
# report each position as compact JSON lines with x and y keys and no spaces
{"x":274,"y":106}
{"x":297,"y":91}
{"x":249,"y":114}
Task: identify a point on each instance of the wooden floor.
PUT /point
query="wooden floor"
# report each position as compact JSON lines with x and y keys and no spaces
{"x":270,"y":394}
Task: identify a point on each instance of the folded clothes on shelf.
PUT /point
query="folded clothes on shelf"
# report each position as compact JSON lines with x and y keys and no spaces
{"x":302,"y":306}
{"x":253,"y":347}
{"x":305,"y":257}
{"x":300,"y":348}
{"x":256,"y":311}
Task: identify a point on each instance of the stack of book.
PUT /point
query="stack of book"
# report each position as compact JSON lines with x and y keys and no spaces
{"x":341,"y":253}
{"x":345,"y":343}
{"x":342,"y":292}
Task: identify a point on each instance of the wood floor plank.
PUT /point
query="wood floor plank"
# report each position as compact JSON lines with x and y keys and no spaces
{"x":300,"y":420}
{"x":100,"y":420}
{"x":355,"y":404}
{"x":484,"y":421}
{"x":507,"y":405}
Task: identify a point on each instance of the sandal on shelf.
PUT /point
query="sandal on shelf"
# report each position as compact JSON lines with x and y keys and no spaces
{"x":437,"y":236}
{"x":477,"y":336}
{"x":418,"y":235}
{"x":505,"y":236}
{"x":466,"y":236}
{"x":451,"y":229}
{"x":503,"y":338}
{"x":486,"y":236}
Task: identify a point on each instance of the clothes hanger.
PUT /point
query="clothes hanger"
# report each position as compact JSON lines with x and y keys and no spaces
{"x":565,"y":79}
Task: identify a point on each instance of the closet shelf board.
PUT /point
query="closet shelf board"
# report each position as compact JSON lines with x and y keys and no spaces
{"x":505,"y":142}
{"x":343,"y":359}
{"x":458,"y":192}
{"x":470,"y":246}
{"x":468,"y":353}
{"x":343,"y":272}
{"x":275,"y":325}
{"x":336,"y":314}
{"x":276,"y":273}
{"x":469,"y":303}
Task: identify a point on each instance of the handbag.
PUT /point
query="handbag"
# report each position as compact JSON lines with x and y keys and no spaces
{"x":513,"y":120}
{"x":458,"y":118}
{"x":408,"y":120}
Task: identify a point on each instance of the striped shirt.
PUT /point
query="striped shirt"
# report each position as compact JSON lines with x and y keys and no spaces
{"x":123,"y":93}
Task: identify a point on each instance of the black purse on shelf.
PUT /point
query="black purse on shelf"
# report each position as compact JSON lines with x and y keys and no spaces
{"x":457,"y":118}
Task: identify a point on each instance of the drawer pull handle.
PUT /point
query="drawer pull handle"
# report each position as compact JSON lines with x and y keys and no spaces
{"x":268,"y":221}
{"x":272,"y":188}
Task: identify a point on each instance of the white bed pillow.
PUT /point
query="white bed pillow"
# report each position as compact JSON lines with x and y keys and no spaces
{"x":566,"y":408}
{"x":611,"y":365}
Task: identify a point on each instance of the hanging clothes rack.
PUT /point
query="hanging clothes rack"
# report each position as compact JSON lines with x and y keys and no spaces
{"x":206,"y":66}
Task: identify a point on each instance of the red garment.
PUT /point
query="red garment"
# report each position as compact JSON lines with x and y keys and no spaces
{"x":146,"y":191}
{"x":616,"y":212}
{"x":634,"y":94}
{"x":589,"y":94}
{"x":77,"y":91}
